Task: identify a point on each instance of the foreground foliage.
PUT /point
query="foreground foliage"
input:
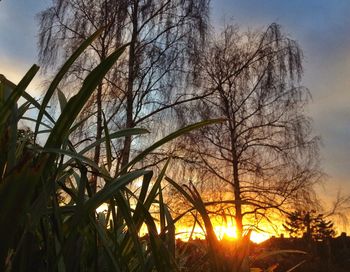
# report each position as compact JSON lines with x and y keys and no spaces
{"x":41,"y":232}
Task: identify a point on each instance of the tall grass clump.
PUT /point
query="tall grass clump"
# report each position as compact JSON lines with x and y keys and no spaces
{"x":40,"y":232}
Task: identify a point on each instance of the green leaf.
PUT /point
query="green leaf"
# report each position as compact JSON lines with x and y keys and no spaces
{"x":125,"y":210}
{"x":61,"y":99}
{"x":114,"y":135}
{"x":61,"y":129}
{"x":170,"y":228}
{"x":107,"y":142}
{"x":82,"y":121}
{"x":111,"y":188}
{"x":74,"y":155}
{"x":23,"y":109}
{"x":106,"y":244}
{"x":10,"y":103}
{"x":9,"y":118}
{"x":168,"y":138}
{"x":151,"y":195}
{"x":162,"y":259}
{"x":59,"y":76}
{"x":36,"y":104}
{"x":16,"y":192}
{"x":34,"y":120}
{"x":194,"y":198}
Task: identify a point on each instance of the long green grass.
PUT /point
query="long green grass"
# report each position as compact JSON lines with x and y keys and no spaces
{"x":38,"y":232}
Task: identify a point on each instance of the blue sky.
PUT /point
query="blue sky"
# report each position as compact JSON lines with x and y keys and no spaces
{"x":321,"y":27}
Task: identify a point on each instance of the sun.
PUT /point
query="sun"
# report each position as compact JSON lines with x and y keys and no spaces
{"x":230,"y":233}
{"x":227,"y":232}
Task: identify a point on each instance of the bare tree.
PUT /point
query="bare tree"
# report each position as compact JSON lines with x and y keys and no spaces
{"x":162,"y":34}
{"x":264,"y":152}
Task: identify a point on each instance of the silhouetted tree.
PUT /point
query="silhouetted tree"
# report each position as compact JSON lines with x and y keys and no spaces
{"x":264,"y":152}
{"x":294,"y":224}
{"x":310,"y":225}
{"x":150,"y":77}
{"x":322,"y":228}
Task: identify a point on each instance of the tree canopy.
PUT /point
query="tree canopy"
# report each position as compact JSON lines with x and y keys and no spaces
{"x":162,"y":35}
{"x":264,"y":152}
{"x":309,"y":224}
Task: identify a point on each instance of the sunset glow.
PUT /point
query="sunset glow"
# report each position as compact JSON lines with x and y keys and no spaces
{"x":229,"y":232}
{"x":259,"y":237}
{"x":222,"y":232}
{"x":226,"y":231}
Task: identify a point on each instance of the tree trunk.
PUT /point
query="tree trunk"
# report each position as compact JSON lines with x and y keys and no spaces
{"x":235,"y":161}
{"x":129,"y":93}
{"x":238,"y":199}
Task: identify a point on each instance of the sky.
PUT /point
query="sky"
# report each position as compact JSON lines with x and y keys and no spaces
{"x":321,"y":27}
{"x":18,"y":42}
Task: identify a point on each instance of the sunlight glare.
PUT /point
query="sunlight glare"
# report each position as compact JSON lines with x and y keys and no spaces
{"x":259,"y":237}
{"x":227,"y":232}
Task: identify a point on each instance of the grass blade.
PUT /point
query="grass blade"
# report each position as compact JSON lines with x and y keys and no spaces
{"x":107,"y":142}
{"x":61,"y":99}
{"x":10,"y":103}
{"x":61,"y":129}
{"x":168,"y":138}
{"x":59,"y":76}
{"x":111,"y":188}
